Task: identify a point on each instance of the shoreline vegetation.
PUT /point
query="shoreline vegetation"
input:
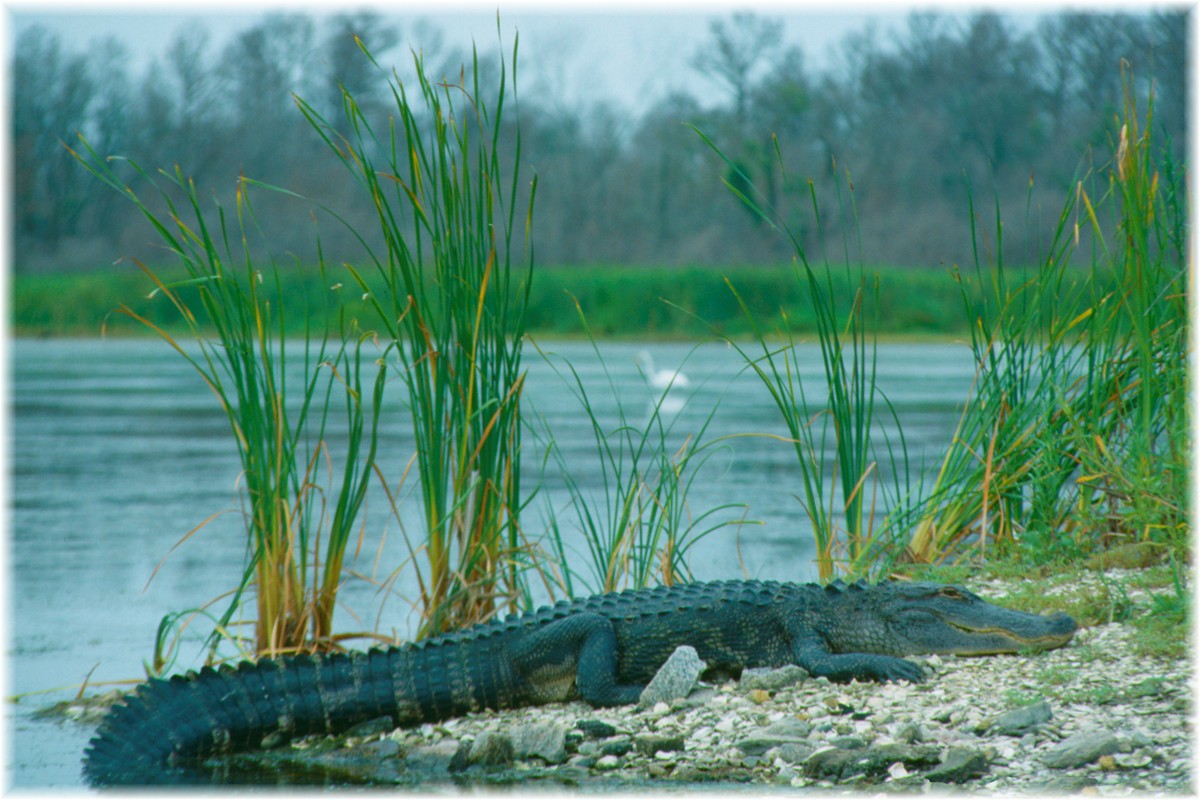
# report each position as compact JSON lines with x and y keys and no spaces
{"x":623,"y":302}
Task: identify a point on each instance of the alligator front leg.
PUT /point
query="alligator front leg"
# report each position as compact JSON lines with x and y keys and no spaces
{"x":578,"y":650}
{"x":814,"y":656}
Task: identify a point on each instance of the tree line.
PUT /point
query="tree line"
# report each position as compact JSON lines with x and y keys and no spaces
{"x":878,"y":151}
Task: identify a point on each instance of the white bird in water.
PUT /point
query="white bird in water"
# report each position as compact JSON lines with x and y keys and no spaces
{"x":660,"y":378}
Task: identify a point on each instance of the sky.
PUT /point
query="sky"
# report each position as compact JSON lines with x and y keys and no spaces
{"x":624,"y":54}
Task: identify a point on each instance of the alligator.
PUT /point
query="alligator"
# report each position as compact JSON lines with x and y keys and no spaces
{"x":602,"y":649}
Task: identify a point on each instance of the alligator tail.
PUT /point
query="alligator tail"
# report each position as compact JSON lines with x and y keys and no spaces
{"x":153,"y":735}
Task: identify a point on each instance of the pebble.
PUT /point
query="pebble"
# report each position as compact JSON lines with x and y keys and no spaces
{"x":545,"y":740}
{"x":606,"y":763}
{"x":675,"y":678}
{"x":1021,"y":720}
{"x":651,"y":744}
{"x":1082,"y":748}
{"x":959,"y":765}
{"x":491,"y":749}
{"x":772,"y":680}
{"x":596,"y":728}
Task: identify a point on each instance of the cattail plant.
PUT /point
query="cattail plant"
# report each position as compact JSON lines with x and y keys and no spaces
{"x":279,"y":418}
{"x":449,"y":289}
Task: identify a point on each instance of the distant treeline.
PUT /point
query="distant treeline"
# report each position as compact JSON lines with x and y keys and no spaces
{"x":888,"y":140}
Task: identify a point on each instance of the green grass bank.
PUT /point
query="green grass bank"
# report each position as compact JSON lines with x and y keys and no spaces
{"x":619,"y":301}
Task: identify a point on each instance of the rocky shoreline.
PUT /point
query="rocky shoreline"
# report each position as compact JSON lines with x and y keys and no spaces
{"x":1090,"y":717}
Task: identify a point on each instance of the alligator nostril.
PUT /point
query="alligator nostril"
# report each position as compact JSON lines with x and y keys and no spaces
{"x":1063,"y":621}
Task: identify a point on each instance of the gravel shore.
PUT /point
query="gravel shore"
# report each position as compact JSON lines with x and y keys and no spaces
{"x":1091,"y":717}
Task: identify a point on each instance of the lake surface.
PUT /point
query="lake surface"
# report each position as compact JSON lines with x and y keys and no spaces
{"x":119,"y":450}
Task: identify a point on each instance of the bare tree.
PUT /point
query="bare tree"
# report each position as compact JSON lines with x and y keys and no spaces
{"x":52,"y":95}
{"x":347,"y":66}
{"x":738,"y":49}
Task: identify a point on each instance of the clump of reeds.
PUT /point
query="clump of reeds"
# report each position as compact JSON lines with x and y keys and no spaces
{"x":449,"y":292}
{"x":1076,"y":433}
{"x":300,"y":514}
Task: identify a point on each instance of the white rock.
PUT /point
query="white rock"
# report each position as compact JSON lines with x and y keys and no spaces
{"x":607,"y":763}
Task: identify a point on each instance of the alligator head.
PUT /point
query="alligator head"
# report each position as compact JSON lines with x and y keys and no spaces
{"x":915,"y":618}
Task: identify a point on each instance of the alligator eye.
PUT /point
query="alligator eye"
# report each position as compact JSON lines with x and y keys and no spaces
{"x":950,"y":592}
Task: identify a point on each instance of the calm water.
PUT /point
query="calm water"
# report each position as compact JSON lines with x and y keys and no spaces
{"x":119,"y":450}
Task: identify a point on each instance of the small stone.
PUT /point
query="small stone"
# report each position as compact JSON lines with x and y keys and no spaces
{"x":836,"y":705}
{"x":461,"y":758}
{"x":1082,"y":748}
{"x":432,"y":758}
{"x":897,"y":770}
{"x":942,"y":714}
{"x":675,"y":678}
{"x":778,"y":734}
{"x":795,"y":752}
{"x":1106,"y":763}
{"x":788,"y":727}
{"x":1066,"y":784}
{"x":596,"y":729}
{"x":772,"y":679}
{"x":650,"y":744}
{"x":545,"y":740}
{"x":697,"y":698}
{"x":382,"y":748}
{"x":491,"y":749}
{"x":760,"y":696}
{"x":1135,"y":760}
{"x":372,"y":727}
{"x":617,"y":747}
{"x":848,"y":743}
{"x":686,"y":773}
{"x":1021,"y":720}
{"x":1140,"y":739}
{"x":841,"y":764}
{"x":959,"y":765}
{"x":606,"y":763}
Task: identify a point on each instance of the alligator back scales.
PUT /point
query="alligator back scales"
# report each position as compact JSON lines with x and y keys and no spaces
{"x":603,"y":649}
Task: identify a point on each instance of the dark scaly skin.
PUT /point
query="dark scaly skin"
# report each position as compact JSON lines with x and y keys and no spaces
{"x":602,"y":649}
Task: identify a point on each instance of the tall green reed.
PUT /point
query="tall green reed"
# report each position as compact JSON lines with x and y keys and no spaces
{"x":1076,"y":432}
{"x":296,"y":543}
{"x":449,"y":294}
{"x":847,"y":415}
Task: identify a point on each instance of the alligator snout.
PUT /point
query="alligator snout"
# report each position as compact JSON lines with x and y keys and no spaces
{"x":1044,"y":632}
{"x":1061,"y":625}
{"x":1062,"y":622}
